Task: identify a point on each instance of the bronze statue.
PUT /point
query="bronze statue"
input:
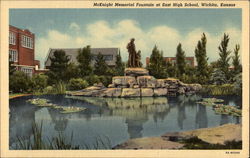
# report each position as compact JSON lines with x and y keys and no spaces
{"x":134,"y":57}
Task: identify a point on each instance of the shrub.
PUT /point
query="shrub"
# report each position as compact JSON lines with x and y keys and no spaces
{"x":92,"y":79}
{"x":48,"y":90}
{"x":59,"y":88}
{"x":238,"y":84}
{"x":19,"y":82}
{"x":39,"y":82}
{"x":105,"y":80}
{"x":77,"y":83}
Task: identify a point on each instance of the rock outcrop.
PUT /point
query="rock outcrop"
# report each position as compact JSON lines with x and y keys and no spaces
{"x":138,"y":83}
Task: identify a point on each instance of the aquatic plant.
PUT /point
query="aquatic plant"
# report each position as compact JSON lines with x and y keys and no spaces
{"x":58,"y":142}
{"x":45,"y":103}
{"x":220,"y":108}
{"x":71,"y":109}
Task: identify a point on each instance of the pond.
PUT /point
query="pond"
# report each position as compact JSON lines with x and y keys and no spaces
{"x":117,"y":119}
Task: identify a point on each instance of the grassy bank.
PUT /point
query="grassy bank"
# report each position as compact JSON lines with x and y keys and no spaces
{"x":225,"y":89}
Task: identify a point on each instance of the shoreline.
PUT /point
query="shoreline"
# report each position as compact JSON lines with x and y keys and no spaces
{"x":18,"y":95}
{"x":174,"y":140}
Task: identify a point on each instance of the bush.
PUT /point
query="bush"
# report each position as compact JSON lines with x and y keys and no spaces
{"x":77,"y":83}
{"x":39,"y":82}
{"x":59,"y":88}
{"x":92,"y":79}
{"x":105,"y":80}
{"x":19,"y":82}
{"x":48,"y":90}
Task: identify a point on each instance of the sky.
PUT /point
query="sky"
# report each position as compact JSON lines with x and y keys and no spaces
{"x":101,"y":28}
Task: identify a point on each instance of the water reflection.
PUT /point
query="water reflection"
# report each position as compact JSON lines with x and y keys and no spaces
{"x":139,"y":117}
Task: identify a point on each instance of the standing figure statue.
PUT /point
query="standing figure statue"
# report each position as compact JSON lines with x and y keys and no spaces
{"x":134,"y":57}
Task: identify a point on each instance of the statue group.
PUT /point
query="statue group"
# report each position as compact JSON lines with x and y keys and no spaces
{"x":134,"y":59}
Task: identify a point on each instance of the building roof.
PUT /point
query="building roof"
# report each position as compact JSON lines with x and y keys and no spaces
{"x":73,"y":52}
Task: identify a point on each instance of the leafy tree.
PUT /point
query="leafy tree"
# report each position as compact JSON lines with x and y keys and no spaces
{"x":39,"y":82}
{"x":180,"y":60}
{"x":201,"y":58}
{"x":223,"y":61}
{"x":101,"y":67}
{"x":84,"y":59}
{"x":157,"y":66}
{"x":59,"y":63}
{"x":19,"y":82}
{"x":72,"y":71}
{"x":236,"y":61}
{"x":119,"y":65}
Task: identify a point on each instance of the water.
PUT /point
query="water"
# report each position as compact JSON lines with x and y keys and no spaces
{"x":119,"y":119}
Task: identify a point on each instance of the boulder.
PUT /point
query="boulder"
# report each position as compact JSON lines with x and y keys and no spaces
{"x":195,"y":87}
{"x":136,"y":71}
{"x":147,"y":92}
{"x":161,"y":83}
{"x":181,"y":90}
{"x":131,"y":92}
{"x":172,"y":81}
{"x":160,"y":91}
{"x":123,"y":81}
{"x":111,"y":86}
{"x":146,"y":81}
{"x":112,"y":92}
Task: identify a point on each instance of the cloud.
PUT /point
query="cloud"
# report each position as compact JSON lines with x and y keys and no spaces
{"x":74,"y":26}
{"x":104,"y":34}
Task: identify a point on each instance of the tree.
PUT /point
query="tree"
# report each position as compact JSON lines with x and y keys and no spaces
{"x":84,"y":59}
{"x":12,"y":68}
{"x":180,"y":61}
{"x":101,"y":67}
{"x":119,"y":65}
{"x":236,"y":61}
{"x":223,"y":61}
{"x":157,"y":66}
{"x":72,"y":71}
{"x":19,"y":82}
{"x":218,"y":77}
{"x":171,"y":69}
{"x":39,"y":82}
{"x":201,"y":58}
{"x":59,"y":63}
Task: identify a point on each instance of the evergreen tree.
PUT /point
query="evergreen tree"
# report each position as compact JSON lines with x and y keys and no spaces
{"x":223,"y":61}
{"x":180,"y":60}
{"x":59,"y":63}
{"x":236,"y":61}
{"x":119,"y":65}
{"x":157,"y":66}
{"x":84,"y":59}
{"x":201,"y":58}
{"x":101,"y":67}
{"x":171,"y":70}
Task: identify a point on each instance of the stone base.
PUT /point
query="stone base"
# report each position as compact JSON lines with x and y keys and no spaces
{"x":136,"y":71}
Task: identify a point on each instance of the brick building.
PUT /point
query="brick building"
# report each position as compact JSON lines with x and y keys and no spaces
{"x":22,"y":50}
{"x":172,"y":60}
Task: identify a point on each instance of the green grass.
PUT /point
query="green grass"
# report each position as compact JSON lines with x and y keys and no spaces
{"x":225,"y":89}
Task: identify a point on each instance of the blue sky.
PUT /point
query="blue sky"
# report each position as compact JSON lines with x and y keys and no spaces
{"x":114,"y":27}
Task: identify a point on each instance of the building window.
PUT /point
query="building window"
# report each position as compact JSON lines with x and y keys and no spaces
{"x":27,"y":70}
{"x":12,"y":38}
{"x":13,"y":55}
{"x":27,"y":42}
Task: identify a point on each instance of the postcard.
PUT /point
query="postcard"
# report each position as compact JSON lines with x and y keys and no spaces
{"x":124,"y":79}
